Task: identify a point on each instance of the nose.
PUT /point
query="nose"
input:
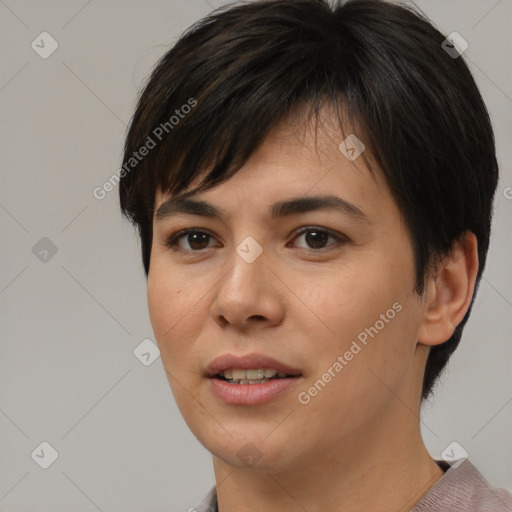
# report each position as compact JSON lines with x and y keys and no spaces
{"x":248,"y":295}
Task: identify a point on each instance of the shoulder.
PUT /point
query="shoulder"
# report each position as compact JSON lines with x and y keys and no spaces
{"x":209,"y":503}
{"x":463,"y":489}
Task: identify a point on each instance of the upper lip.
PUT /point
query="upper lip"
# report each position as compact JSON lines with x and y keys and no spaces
{"x":250,"y":361}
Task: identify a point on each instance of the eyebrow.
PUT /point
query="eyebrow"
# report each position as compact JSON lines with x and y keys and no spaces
{"x":295,"y":205}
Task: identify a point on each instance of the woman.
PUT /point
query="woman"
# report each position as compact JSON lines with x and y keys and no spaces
{"x":313,"y":189}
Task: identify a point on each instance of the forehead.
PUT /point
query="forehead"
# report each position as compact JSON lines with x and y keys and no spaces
{"x":302,"y":158}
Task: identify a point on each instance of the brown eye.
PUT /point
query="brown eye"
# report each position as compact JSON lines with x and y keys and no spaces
{"x":196,"y":240}
{"x":317,"y":238}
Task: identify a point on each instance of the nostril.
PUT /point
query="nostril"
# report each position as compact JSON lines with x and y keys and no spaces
{"x":223,"y":320}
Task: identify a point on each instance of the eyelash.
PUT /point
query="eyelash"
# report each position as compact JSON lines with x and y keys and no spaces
{"x":172,"y":243}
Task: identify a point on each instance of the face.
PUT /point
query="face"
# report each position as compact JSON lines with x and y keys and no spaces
{"x":326,"y":291}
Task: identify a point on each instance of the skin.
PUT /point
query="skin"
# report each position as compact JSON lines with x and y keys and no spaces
{"x":357,"y":444}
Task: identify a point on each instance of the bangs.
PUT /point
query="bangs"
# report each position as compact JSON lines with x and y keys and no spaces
{"x":207,"y":119}
{"x":209,"y":157}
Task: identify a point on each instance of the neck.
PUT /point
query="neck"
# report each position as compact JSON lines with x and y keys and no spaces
{"x":383,"y":467}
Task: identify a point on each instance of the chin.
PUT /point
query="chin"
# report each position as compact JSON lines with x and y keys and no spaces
{"x":257,"y":452}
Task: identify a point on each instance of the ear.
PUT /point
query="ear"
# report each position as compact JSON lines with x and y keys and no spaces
{"x":449,"y":292}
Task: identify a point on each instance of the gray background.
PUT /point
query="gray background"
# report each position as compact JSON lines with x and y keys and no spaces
{"x":69,"y":325}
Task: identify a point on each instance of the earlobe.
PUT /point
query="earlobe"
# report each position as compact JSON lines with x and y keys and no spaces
{"x":449,"y":292}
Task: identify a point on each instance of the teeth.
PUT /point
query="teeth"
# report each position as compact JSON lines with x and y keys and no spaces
{"x":251,"y":374}
{"x":254,"y":374}
{"x":247,"y":381}
{"x":238,"y":374}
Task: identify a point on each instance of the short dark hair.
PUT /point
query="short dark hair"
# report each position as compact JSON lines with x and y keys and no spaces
{"x":231,"y":77}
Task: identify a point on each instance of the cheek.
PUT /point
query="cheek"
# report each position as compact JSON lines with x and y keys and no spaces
{"x":160,"y":297}
{"x":348,"y":300}
{"x":369,"y":376}
{"x":370,"y":318}
{"x":172,"y":307}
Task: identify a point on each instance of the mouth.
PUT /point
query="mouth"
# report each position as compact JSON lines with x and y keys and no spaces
{"x":250,"y":380}
{"x":251,"y":367}
{"x":252,"y":376}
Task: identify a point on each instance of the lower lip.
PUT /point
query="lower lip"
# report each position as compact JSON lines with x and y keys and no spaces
{"x":250,"y":394}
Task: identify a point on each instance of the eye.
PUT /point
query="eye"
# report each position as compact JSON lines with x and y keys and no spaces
{"x":195,"y":238}
{"x":317,"y":237}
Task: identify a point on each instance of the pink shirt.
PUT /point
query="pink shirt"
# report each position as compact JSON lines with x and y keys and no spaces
{"x":461,"y":489}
